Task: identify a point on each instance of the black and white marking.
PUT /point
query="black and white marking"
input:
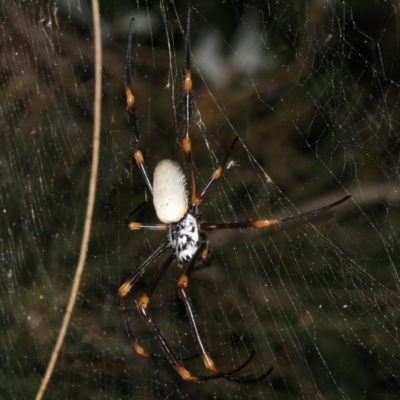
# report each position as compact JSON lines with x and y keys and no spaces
{"x":170,"y":198}
{"x":184,"y":237}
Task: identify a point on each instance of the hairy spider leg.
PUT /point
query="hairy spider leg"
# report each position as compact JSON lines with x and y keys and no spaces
{"x":132,"y":113}
{"x":125,"y":289}
{"x":182,"y":284}
{"x":265,"y":223}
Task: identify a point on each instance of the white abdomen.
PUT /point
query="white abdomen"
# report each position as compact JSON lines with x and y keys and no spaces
{"x":170,"y":195}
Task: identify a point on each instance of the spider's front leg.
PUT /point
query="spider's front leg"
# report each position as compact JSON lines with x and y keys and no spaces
{"x":132,"y":113}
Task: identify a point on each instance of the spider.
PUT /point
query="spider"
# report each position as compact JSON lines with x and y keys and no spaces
{"x":178,"y":211}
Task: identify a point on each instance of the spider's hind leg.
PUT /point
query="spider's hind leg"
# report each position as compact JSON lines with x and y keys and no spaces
{"x":126,"y":288}
{"x":142,"y":305}
{"x":201,"y":345}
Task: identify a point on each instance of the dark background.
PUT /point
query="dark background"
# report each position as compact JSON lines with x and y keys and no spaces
{"x":312,"y":90}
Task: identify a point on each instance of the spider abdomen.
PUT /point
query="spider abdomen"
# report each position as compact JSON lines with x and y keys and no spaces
{"x":184,"y":237}
{"x":170,"y":195}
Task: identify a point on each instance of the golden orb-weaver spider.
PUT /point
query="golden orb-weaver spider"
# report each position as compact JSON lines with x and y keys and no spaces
{"x":179,"y":214}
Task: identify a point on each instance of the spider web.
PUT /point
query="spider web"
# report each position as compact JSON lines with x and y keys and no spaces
{"x":312,"y":90}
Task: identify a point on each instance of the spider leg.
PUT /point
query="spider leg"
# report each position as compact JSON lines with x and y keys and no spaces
{"x":124,"y":290}
{"x":265,"y":223}
{"x":183,"y":282}
{"x":187,"y":112}
{"x":144,"y":300}
{"x":137,"y":226}
{"x":218,"y":172}
{"x":169,"y":352}
{"x":195,"y":199}
{"x":132,"y":113}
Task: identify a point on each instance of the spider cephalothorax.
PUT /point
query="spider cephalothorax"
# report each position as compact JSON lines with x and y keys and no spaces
{"x":184,"y":237}
{"x":177,"y":208}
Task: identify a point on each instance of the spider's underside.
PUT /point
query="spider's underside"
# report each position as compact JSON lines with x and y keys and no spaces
{"x":178,"y":211}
